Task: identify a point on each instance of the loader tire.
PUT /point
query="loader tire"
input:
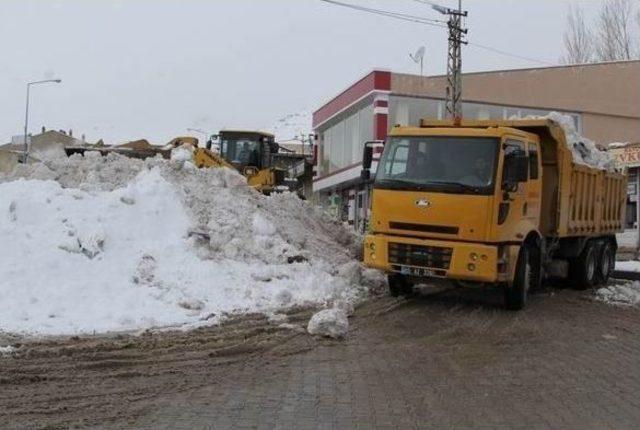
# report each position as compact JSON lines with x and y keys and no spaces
{"x":399,"y":285}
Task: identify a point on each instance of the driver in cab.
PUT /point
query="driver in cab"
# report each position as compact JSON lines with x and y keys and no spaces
{"x":479,"y":175}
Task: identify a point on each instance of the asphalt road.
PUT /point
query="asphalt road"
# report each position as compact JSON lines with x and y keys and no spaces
{"x":452,"y":360}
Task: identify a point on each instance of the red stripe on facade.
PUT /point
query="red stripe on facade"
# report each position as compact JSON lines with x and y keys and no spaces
{"x":381,"y":103}
{"x":376,"y":80}
{"x":380,"y":126}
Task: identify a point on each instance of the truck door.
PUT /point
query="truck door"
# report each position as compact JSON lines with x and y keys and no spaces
{"x":512,"y":206}
{"x":532,"y":204}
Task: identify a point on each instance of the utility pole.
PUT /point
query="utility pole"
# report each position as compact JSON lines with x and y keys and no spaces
{"x":454,"y":59}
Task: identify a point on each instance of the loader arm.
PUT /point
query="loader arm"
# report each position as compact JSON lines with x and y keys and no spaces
{"x":205,"y":158}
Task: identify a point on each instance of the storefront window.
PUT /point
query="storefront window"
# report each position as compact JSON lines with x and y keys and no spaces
{"x":343,"y":141}
{"x":411,"y":110}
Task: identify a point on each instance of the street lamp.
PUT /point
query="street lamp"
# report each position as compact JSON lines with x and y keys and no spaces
{"x":26,"y":115}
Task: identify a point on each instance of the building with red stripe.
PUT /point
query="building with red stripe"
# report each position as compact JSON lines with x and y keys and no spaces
{"x":602,"y":98}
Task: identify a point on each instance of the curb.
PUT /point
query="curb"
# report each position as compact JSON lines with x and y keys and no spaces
{"x":622,"y":274}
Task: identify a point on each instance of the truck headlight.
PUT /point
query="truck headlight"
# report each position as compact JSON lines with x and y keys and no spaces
{"x":471,"y":267}
{"x":473,"y":256}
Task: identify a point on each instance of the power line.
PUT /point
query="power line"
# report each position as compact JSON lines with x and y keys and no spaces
{"x":434,"y":23}
{"x":430,"y":3}
{"x":396,"y":15}
{"x":509,"y":54}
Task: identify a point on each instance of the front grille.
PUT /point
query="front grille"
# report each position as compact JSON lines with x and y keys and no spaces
{"x":421,"y":256}
{"x":427,"y":228}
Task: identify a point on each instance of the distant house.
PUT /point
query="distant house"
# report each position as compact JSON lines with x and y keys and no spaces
{"x":43,"y":141}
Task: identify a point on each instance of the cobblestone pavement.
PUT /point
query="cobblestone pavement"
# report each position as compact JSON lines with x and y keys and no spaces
{"x":450,"y":361}
{"x":453,"y":360}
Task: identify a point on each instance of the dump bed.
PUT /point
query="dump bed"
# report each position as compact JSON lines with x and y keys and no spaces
{"x":577,"y":199}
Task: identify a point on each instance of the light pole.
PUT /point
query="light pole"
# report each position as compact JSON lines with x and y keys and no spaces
{"x":26,"y":116}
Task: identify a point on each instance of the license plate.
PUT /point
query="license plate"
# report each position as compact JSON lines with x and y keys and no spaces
{"x":416,"y":271}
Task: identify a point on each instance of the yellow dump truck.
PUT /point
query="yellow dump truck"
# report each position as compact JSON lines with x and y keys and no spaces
{"x":490,"y":202}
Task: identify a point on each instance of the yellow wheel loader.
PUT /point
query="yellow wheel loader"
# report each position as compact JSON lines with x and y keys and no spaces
{"x":254,"y":154}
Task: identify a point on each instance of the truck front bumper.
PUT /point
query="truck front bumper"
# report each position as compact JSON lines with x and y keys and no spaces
{"x":437,"y":258}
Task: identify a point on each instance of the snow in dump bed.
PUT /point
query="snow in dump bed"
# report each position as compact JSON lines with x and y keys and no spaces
{"x":102,"y":244}
{"x":584,"y":150}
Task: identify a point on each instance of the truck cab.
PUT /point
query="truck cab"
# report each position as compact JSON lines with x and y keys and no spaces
{"x":465,"y":203}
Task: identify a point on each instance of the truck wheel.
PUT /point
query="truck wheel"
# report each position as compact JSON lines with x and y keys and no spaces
{"x":515,"y":295}
{"x":606,"y":262}
{"x":584,"y":268}
{"x":399,"y":285}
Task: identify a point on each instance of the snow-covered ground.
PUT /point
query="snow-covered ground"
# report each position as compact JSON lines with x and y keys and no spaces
{"x":628,"y":266}
{"x":620,"y":294}
{"x":101,"y":244}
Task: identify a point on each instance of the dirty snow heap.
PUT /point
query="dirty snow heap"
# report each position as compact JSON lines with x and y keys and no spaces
{"x":98,"y":244}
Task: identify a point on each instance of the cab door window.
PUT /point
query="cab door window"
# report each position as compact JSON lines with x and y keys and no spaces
{"x":511,"y":147}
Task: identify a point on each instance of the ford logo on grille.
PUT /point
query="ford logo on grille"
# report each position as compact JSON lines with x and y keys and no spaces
{"x":423,"y":203}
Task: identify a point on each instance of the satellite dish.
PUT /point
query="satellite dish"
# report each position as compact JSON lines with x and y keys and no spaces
{"x":418,"y":57}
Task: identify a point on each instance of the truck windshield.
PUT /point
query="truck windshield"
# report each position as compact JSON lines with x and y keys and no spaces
{"x":449,"y":164}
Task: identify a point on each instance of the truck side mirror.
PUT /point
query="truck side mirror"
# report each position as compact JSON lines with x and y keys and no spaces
{"x":367,"y":157}
{"x":516,"y":169}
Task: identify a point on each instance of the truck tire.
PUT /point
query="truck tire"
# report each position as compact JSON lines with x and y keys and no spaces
{"x":606,"y":262}
{"x":399,"y":285}
{"x":516,"y":294}
{"x":584,"y":269}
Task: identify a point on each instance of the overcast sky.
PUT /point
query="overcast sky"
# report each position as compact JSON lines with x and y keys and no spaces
{"x":136,"y":68}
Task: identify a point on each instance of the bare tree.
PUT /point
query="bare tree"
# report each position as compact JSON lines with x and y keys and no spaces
{"x":614,"y":40}
{"x":578,"y":40}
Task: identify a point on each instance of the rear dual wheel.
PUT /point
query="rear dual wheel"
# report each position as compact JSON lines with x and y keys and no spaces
{"x":584,"y":268}
{"x":594,"y":265}
{"x":606,"y":262}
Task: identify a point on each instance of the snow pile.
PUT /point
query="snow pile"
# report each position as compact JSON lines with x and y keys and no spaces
{"x":584,"y":150}
{"x":329,"y":323}
{"x":101,"y":244}
{"x":6,"y":351}
{"x":620,"y":294}
{"x":183,"y":154}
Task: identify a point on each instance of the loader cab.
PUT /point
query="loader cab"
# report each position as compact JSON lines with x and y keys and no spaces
{"x":247,"y":148}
